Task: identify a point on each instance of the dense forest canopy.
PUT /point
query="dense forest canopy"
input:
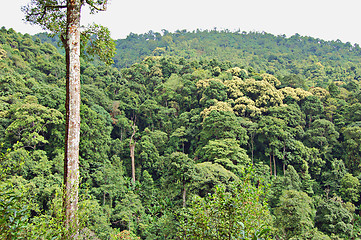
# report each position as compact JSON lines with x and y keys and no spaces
{"x":233,"y":135}
{"x":313,"y":61}
{"x":317,"y":61}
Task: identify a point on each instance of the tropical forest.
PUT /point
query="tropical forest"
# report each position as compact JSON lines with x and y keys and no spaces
{"x":206,"y":134}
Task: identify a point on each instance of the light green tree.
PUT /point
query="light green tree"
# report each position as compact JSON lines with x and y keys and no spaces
{"x":227,"y":153}
{"x":31,"y":122}
{"x":350,"y":188}
{"x":235,"y":212}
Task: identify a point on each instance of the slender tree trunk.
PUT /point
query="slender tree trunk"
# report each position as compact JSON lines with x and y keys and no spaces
{"x":184,"y":194}
{"x":274,"y":165}
{"x":270,"y":163}
{"x":132,"y":148}
{"x":252,"y":149}
{"x":72,"y":105}
{"x":283,"y":160}
{"x":284,"y":169}
{"x":103,"y":198}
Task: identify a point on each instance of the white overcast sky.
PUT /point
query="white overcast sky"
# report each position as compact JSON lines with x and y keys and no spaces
{"x":325,"y":19}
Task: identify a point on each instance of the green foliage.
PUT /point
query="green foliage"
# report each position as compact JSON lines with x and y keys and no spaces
{"x":333,"y":218}
{"x":290,"y":181}
{"x":300,"y":61}
{"x":294,"y":214}
{"x":332,"y":178}
{"x":227,"y":153}
{"x":125,"y":235}
{"x":36,"y":119}
{"x":92,"y":221}
{"x":350,"y":188}
{"x":322,"y":134}
{"x":14,"y":211}
{"x":222,"y":124}
{"x":236,"y":213}
{"x":312,"y":107}
{"x":200,"y":122}
{"x":14,"y":207}
{"x":96,"y":41}
{"x":353,"y":144}
{"x":208,"y":175}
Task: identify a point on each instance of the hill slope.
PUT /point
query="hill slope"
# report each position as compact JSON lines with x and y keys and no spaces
{"x":317,"y":61}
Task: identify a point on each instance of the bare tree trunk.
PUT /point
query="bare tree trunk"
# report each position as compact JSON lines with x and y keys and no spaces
{"x":284,"y":169}
{"x":121,"y":134}
{"x":270,"y":163}
{"x":184,"y":194}
{"x":252,"y":149}
{"x":274,"y":165}
{"x":132,"y":148}
{"x":72,"y":105}
{"x":283,"y":160}
{"x":103,"y":198}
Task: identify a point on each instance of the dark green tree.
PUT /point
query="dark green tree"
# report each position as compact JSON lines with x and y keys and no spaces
{"x":322,"y":135}
{"x":294,"y":214}
{"x":312,"y":107}
{"x":181,"y":171}
{"x":333,"y":218}
{"x":352,"y":143}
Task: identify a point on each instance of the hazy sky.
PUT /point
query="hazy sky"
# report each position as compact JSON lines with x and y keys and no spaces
{"x":326,"y":19}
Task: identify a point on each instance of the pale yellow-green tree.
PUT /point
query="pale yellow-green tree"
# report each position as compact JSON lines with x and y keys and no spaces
{"x":295,"y":93}
{"x":253,"y":97}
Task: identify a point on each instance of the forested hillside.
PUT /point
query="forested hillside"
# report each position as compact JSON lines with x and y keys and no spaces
{"x":314,"y":61}
{"x":297,"y":60}
{"x":232,"y":135}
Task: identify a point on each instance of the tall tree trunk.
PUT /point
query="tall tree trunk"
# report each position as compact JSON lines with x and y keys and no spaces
{"x":184,"y":194}
{"x":72,"y":105}
{"x":252,"y":150}
{"x":274,"y":165}
{"x":270,"y":163}
{"x":284,"y":169}
{"x":103,"y":198}
{"x":283,"y":160}
{"x":132,"y":148}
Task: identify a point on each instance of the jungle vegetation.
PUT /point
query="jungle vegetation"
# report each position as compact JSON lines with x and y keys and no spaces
{"x":233,"y":135}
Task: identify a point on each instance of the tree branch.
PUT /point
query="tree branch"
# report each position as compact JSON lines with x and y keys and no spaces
{"x":56,"y":6}
{"x":97,"y":8}
{"x":42,"y":13}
